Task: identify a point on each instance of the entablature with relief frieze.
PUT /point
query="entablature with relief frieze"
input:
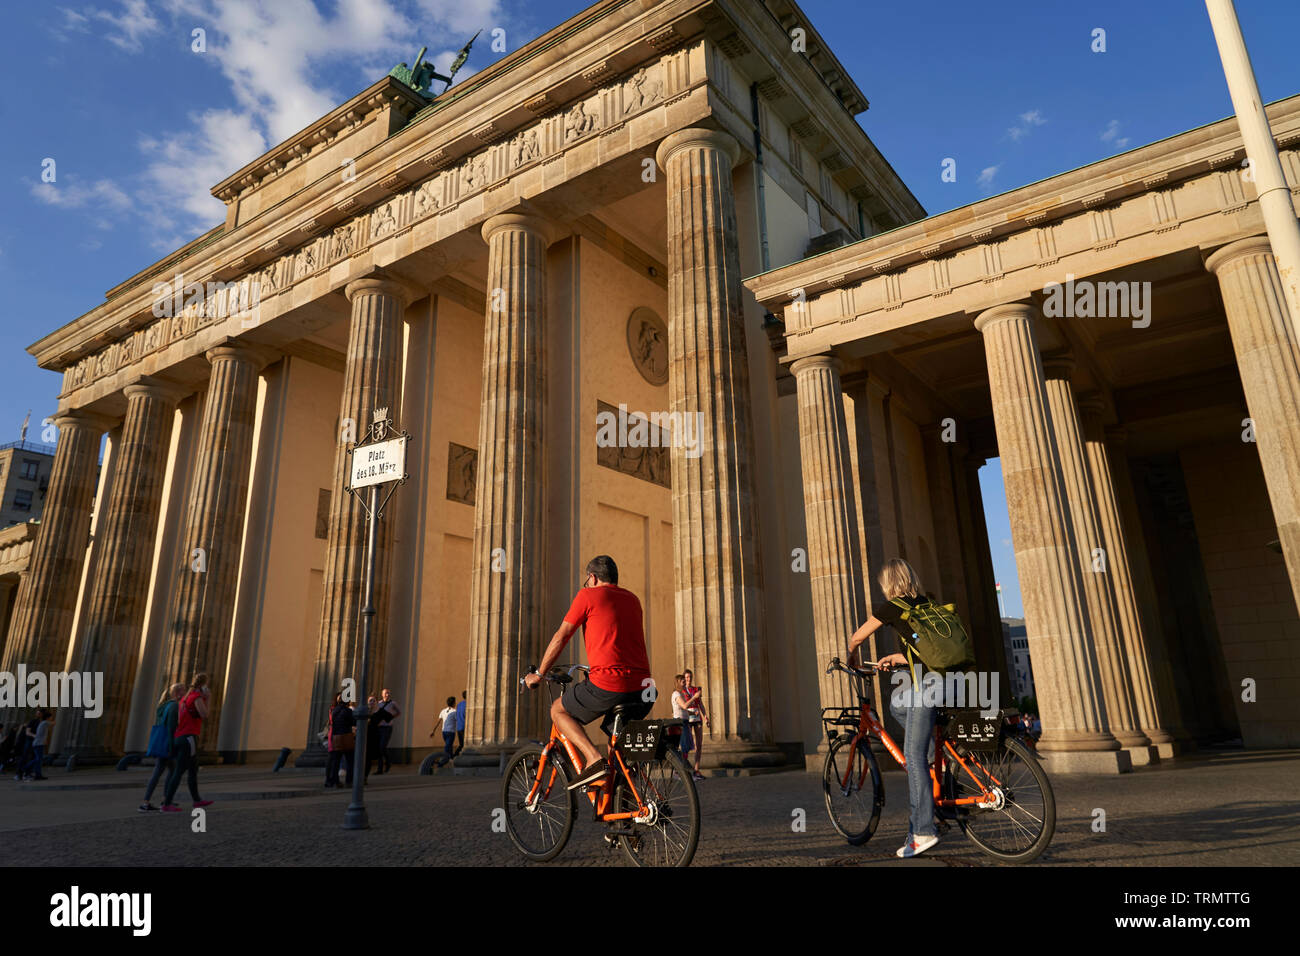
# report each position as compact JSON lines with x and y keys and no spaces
{"x":1188,"y":192}
{"x":248,"y":300}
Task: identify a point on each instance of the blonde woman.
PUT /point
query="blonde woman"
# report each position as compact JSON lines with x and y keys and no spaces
{"x":166,"y":717}
{"x":899,"y":582}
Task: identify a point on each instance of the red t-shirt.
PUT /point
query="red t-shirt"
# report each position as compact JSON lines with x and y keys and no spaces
{"x":611,"y":620}
{"x":188,"y":720}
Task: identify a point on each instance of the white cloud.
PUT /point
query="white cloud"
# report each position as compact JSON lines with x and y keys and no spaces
{"x":986,"y":175}
{"x":286,"y":63}
{"x":1111,"y":135}
{"x":1027,"y":122}
{"x":126,"y":28}
{"x":104,"y":194}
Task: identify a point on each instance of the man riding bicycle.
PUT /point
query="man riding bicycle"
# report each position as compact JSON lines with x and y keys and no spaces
{"x":620,"y":669}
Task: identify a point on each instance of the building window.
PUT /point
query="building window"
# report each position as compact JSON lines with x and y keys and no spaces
{"x":814,"y":209}
{"x":30,"y":469}
{"x":22,"y":500}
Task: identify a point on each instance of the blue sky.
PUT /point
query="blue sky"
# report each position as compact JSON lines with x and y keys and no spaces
{"x":140,"y":126}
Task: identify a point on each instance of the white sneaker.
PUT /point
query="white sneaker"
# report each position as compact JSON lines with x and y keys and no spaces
{"x":915,"y":846}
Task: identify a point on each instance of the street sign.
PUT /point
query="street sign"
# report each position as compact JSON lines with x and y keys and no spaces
{"x":378,"y":463}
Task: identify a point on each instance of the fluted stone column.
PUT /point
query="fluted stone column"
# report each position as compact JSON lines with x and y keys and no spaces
{"x":9,"y":584}
{"x":1158,"y":657}
{"x":719,"y":588}
{"x":1133,"y":643}
{"x":981,"y":582}
{"x":371,"y":380}
{"x":1103,"y":615}
{"x":951,"y":586}
{"x":830,"y":516}
{"x":41,"y":625}
{"x":110,"y":638}
{"x":1268,"y":358}
{"x":1066,"y":675}
{"x":506,"y":590}
{"x":204,"y":603}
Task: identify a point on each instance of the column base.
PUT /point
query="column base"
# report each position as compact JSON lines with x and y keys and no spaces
{"x":1132,"y":738}
{"x":90,"y":757}
{"x":1170,"y":750}
{"x":1158,"y":735}
{"x":740,"y":755}
{"x":314,"y":756}
{"x":1085,"y":761}
{"x":487,"y":759}
{"x":1056,"y":741}
{"x":1143,"y":756}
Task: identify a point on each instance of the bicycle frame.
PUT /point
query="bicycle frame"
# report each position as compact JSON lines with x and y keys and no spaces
{"x":869,"y":724}
{"x":600,"y":796}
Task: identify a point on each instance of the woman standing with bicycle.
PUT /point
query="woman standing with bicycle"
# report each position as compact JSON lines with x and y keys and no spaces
{"x":899,"y":582}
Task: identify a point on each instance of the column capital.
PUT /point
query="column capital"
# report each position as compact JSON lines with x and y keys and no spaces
{"x":546,"y":230}
{"x":1058,"y":365}
{"x":146,"y":386}
{"x":1254,"y":245}
{"x":260,"y":356}
{"x":1092,"y":408}
{"x":381,"y":283}
{"x":1010,"y":311}
{"x":697,"y":137}
{"x":813,"y":362}
{"x":80,"y":417}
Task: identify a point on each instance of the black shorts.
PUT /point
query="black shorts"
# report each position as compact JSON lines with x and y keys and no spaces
{"x":584,"y":702}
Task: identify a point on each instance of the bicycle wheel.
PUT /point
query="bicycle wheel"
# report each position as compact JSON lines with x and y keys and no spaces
{"x":854,"y":809}
{"x":1020,"y":823}
{"x":539,"y":829}
{"x":670,"y":836}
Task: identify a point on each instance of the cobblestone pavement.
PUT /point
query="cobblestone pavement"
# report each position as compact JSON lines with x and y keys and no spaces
{"x":1213,"y":808}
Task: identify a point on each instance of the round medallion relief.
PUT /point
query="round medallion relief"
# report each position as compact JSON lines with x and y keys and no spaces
{"x":647,"y":342}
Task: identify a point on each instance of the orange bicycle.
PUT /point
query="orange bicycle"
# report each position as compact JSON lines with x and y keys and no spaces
{"x":647,"y":798}
{"x":985,"y":780}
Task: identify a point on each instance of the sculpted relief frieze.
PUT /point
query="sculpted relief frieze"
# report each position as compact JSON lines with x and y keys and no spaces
{"x":182,"y":307}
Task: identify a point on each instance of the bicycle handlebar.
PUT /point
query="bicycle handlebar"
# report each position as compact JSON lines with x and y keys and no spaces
{"x":532,"y":669}
{"x":866,"y":670}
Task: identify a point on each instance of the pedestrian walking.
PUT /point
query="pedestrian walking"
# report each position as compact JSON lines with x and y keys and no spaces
{"x":7,"y":737}
{"x":680,"y":713}
{"x":460,"y":724}
{"x":40,"y":737}
{"x":448,"y":718}
{"x":388,"y":712}
{"x":162,"y":740}
{"x":191,"y":710}
{"x":373,"y":749}
{"x":342,"y":741}
{"x":23,"y":743}
{"x":697,"y":717}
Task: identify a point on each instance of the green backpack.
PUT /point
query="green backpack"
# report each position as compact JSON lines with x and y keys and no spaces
{"x":937,"y":634}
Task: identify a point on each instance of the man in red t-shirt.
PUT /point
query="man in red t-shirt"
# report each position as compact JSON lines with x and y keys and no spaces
{"x":620,"y":671}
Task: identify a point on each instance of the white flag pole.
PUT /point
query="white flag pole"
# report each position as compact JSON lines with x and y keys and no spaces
{"x":1270,"y":183}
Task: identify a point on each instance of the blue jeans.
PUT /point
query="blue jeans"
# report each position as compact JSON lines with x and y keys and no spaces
{"x":161,"y":765}
{"x":448,"y":745}
{"x":37,"y":758}
{"x":918,"y":750}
